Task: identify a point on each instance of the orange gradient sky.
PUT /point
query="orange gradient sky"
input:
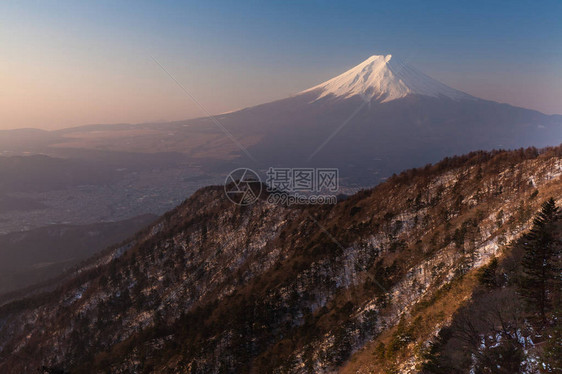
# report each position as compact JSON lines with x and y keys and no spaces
{"x":67,"y":64}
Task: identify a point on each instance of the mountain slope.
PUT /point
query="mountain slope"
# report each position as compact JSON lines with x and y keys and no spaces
{"x":214,"y":287}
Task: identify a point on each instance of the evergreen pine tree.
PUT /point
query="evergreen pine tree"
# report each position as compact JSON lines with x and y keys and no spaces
{"x":538,"y":266}
{"x":487,"y":275}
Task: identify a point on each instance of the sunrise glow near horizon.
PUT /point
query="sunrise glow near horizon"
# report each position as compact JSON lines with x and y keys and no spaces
{"x":67,"y":64}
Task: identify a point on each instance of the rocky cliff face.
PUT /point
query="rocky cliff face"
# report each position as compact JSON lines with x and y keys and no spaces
{"x":214,"y":287}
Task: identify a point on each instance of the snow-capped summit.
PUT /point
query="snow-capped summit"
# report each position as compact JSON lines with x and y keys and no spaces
{"x":383,"y":78}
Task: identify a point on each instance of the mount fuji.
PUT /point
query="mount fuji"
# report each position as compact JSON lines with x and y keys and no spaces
{"x":378,"y":118}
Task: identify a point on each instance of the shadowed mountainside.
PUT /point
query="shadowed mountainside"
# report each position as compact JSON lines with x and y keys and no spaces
{"x":33,"y":256}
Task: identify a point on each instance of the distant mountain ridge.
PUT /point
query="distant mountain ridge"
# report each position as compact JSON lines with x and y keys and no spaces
{"x":29,"y":257}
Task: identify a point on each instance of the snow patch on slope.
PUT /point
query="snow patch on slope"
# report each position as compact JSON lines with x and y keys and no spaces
{"x":383,"y":79}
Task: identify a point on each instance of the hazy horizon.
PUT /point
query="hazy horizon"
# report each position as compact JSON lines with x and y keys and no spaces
{"x":67,"y":64}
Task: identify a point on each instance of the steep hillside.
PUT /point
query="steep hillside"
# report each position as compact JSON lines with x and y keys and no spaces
{"x":215,"y":287}
{"x":503,"y":317}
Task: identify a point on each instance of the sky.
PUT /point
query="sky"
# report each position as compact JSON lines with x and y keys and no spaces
{"x":71,"y":63}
